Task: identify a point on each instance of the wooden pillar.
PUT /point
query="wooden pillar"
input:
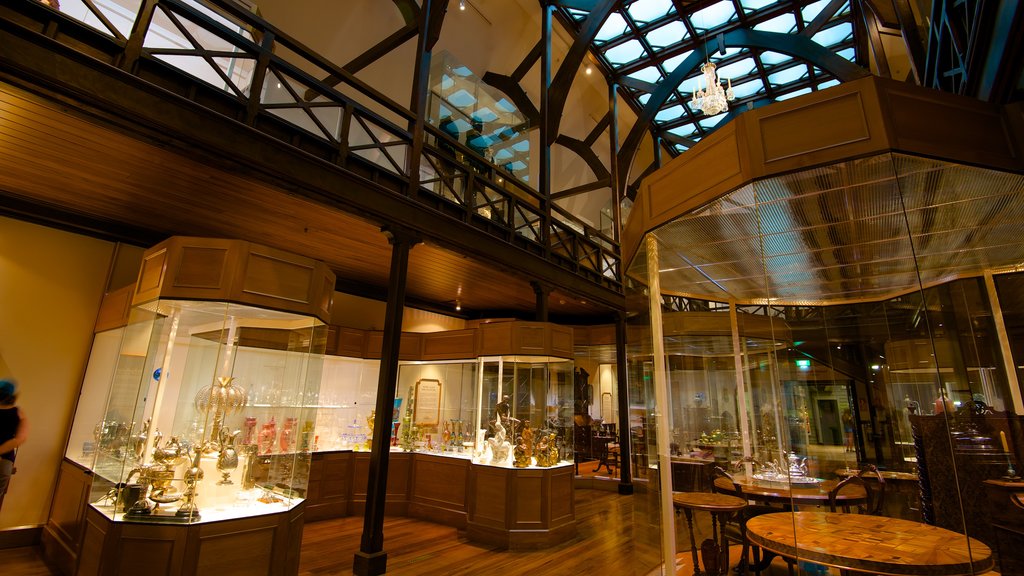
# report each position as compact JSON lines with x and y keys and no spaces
{"x":371,"y":559}
{"x":542,"y":292}
{"x":621,"y":374}
{"x":613,"y":164}
{"x":418,"y":101}
{"x":547,"y":138}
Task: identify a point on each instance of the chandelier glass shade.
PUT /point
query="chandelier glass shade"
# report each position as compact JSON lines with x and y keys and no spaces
{"x":715,"y":98}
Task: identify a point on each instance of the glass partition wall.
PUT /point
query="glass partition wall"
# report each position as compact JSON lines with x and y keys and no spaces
{"x":805,"y":327}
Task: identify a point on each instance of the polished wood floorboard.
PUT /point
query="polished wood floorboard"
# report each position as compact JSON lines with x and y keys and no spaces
{"x":603,"y":543}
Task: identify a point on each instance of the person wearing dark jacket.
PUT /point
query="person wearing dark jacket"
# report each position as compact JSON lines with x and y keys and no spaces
{"x":13,"y":432}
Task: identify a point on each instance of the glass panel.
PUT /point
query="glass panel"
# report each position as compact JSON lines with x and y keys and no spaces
{"x":782,"y":24}
{"x":211,"y":413}
{"x":650,"y":74}
{"x":713,"y":16}
{"x":613,"y":27}
{"x":625,"y":52}
{"x":647,"y":10}
{"x":438,"y":407}
{"x":839,"y":359}
{"x":667,"y":35}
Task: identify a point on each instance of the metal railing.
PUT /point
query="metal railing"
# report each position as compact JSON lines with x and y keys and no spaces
{"x":242,"y":67}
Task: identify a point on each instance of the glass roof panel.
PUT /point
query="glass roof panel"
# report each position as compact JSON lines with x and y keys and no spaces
{"x":848,"y":53}
{"x":737,"y":69}
{"x":669,"y":113}
{"x":788,"y":75}
{"x":624,"y":53}
{"x":711,"y":121}
{"x":650,"y":74}
{"x":783,"y":24}
{"x":647,"y":10}
{"x":811,"y":11}
{"x":671,"y":63}
{"x":772,"y":58}
{"x":753,"y":5}
{"x":614,"y":27}
{"x":671,"y":33}
{"x":834,"y":35}
{"x":713,"y":16}
{"x":748,"y":88}
{"x":639,"y":33}
{"x":828,"y":84}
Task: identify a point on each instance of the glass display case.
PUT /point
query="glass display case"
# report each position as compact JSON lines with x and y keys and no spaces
{"x":348,"y":394}
{"x":509,"y":411}
{"x":529,"y":401}
{"x":210,"y":413}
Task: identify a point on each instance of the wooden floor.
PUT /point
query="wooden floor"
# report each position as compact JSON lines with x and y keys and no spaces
{"x":604,"y":544}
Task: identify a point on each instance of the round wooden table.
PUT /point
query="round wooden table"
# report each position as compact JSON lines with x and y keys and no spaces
{"x":872,"y":544}
{"x":715,"y":550}
{"x":792,"y":494}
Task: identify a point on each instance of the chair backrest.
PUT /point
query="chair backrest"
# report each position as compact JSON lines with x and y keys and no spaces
{"x":719,"y":472}
{"x":875,"y":490}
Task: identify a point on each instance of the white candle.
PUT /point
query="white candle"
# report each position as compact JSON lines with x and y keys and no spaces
{"x":1002,"y":436}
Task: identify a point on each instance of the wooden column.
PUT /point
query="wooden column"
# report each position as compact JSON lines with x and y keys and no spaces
{"x":542,"y":291}
{"x":546,"y":136}
{"x":371,"y":559}
{"x":625,"y":467}
{"x":613,"y":164}
{"x":420,"y":87}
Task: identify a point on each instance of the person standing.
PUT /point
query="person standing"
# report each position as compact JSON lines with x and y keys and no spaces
{"x":848,"y":430}
{"x":13,"y":433}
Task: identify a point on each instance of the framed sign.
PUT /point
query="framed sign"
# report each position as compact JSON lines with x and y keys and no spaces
{"x":427,"y":411}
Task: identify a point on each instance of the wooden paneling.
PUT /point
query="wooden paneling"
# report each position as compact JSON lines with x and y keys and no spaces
{"x":521,"y":508}
{"x":781,"y":144}
{"x":246,"y":547}
{"x":236,"y":271}
{"x":399,"y":471}
{"x":266,"y":544}
{"x":439,"y":486}
{"x":62,"y":536}
{"x":351,"y":342}
{"x":113,"y":312}
{"x":149,"y":549}
{"x":330,"y":485}
{"x":529,"y":338}
{"x":449,"y":345}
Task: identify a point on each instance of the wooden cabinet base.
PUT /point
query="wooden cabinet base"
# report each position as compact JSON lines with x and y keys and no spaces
{"x":521,"y":509}
{"x":266,"y":545}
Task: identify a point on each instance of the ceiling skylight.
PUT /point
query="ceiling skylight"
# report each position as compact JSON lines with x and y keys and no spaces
{"x":647,"y":40}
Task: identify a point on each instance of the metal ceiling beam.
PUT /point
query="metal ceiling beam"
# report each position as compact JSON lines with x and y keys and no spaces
{"x":585,"y":152}
{"x":409,"y":9}
{"x":582,"y":188}
{"x":793,"y":45}
{"x":570,"y":66}
{"x":511,"y":88}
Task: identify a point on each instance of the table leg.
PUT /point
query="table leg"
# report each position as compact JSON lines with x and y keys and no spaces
{"x":693,"y":540}
{"x":723,"y":546}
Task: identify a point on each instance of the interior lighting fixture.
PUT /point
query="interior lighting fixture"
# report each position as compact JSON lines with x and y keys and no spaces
{"x":462,"y":4}
{"x":715,"y":98}
{"x":458,"y":305}
{"x":587,"y":70}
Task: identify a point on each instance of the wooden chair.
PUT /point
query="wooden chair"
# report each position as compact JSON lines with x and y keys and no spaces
{"x":875,"y":491}
{"x":736,"y":528}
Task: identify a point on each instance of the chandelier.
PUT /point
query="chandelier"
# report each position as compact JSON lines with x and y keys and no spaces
{"x":715,"y":99}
